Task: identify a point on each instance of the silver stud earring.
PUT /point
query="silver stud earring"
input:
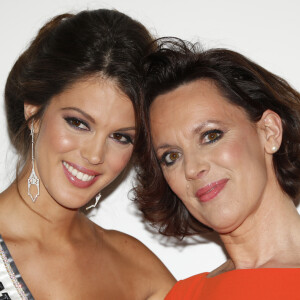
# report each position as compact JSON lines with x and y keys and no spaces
{"x":274,"y":148}
{"x":33,"y":179}
{"x":97,"y":198}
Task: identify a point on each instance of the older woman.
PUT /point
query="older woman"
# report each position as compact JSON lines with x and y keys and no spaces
{"x":71,"y":100}
{"x":222,"y":139}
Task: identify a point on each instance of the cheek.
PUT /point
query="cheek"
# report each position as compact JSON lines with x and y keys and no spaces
{"x":63,"y":143}
{"x":243,"y":161}
{"x":236,"y":153}
{"x":229,"y":155}
{"x":118,"y":160}
{"x":177,"y":182}
{"x":56,"y":139}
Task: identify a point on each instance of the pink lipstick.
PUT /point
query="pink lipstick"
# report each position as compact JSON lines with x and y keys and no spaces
{"x":79,"y":176}
{"x":211,"y":190}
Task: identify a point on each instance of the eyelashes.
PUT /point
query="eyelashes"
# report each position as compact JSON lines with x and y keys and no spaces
{"x":122,"y":138}
{"x":169,"y":158}
{"x":208,"y":137}
{"x":77,"y":123}
{"x":211,"y":136}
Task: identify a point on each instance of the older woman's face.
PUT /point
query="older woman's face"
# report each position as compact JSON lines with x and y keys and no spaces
{"x":211,"y":155}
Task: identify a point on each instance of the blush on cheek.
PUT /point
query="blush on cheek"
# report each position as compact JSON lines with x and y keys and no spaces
{"x":230,"y":154}
{"x":58,"y":138}
{"x":63,"y":142}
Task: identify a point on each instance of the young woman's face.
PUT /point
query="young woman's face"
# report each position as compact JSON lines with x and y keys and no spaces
{"x":211,"y":155}
{"x":85,"y":140}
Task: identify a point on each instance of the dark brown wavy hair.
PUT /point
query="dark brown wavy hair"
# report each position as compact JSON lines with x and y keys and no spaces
{"x":71,"y":47}
{"x":244,"y":84}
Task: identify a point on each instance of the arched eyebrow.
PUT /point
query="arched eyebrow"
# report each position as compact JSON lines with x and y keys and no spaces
{"x":198,"y":129}
{"x":164,"y":146}
{"x":126,"y":129}
{"x":90,"y":118}
{"x":202,"y":125}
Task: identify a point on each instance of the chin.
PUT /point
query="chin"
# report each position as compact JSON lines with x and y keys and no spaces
{"x":226,"y":227}
{"x":69,"y":200}
{"x":73,"y":205}
{"x":224,"y":224}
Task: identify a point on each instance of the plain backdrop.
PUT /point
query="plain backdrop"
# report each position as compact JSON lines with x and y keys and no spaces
{"x":267,"y":31}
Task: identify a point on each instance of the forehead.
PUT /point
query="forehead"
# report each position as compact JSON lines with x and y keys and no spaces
{"x":198,"y":101}
{"x":100,"y":98}
{"x":95,"y":94}
{"x":94,"y":88}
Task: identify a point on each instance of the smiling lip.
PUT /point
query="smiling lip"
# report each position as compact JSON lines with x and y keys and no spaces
{"x":76,"y":181}
{"x":211,"y":190}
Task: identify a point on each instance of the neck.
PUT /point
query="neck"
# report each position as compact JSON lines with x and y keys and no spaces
{"x":269,"y":237}
{"x":45,"y":214}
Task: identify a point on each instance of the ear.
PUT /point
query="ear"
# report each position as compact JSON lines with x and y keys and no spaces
{"x":29,"y":111}
{"x":271,"y":128}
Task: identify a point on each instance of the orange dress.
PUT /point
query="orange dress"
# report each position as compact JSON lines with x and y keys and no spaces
{"x":246,"y":284}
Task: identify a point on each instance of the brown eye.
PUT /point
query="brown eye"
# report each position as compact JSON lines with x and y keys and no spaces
{"x":173,"y":156}
{"x":170,"y":158}
{"x":77,"y":123}
{"x":212,"y":136}
{"x":117,"y":136}
{"x":121,"y":138}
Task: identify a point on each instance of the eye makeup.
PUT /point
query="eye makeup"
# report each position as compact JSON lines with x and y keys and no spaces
{"x":77,"y":123}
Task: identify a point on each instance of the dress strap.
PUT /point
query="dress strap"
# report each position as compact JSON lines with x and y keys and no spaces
{"x":12,"y":285}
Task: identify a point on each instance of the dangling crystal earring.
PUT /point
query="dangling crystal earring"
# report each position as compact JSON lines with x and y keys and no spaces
{"x":97,"y":198}
{"x":33,"y":179}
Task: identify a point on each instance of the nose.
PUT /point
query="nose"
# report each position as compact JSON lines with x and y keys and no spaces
{"x":94,"y":150}
{"x":195,"y":165}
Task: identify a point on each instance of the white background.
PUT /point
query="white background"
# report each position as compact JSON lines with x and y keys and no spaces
{"x":267,"y":31}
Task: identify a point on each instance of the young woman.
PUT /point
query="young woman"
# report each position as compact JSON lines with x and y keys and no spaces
{"x":71,"y":100}
{"x":224,"y":155}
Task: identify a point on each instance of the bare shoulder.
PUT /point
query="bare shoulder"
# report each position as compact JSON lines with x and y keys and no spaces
{"x":140,"y":263}
{"x":128,"y":245}
{"x":134,"y":250}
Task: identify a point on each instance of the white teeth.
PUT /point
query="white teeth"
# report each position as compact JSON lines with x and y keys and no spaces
{"x":74,"y":172}
{"x":78,"y":174}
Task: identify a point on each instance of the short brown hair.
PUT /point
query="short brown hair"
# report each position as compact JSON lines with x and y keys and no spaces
{"x":244,"y":84}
